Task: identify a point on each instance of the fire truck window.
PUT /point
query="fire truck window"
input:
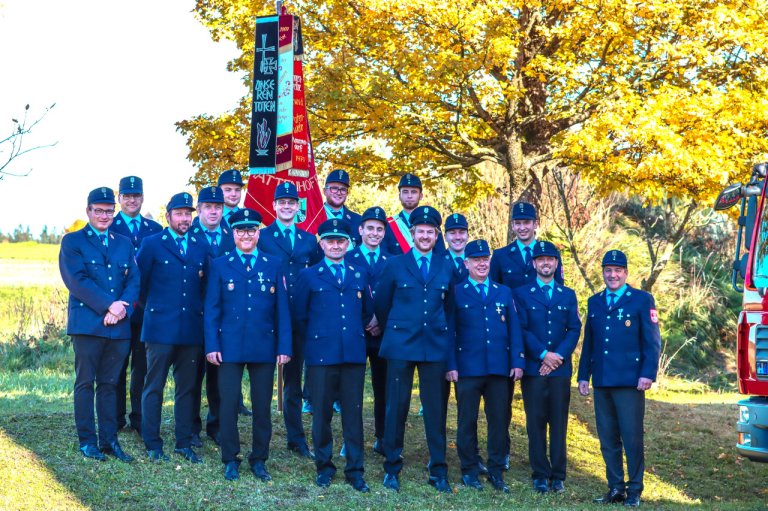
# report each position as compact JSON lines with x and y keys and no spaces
{"x":760,"y":273}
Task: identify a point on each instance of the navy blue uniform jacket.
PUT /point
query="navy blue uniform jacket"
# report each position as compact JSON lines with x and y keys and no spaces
{"x":416,"y":315}
{"x":226,"y":241}
{"x":247,"y":316}
{"x":488,"y":336}
{"x":332,"y":316}
{"x":509,"y":268}
{"x":621,"y":344}
{"x":356,"y":258}
{"x":303,"y":254}
{"x":96,"y":276}
{"x":553,"y":326}
{"x":172,"y":289}
{"x":147,"y":228}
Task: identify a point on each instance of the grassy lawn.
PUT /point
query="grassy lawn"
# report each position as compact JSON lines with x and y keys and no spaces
{"x":690,"y":462}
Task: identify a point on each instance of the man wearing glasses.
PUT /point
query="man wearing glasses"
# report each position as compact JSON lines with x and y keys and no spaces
{"x":336,"y":191}
{"x":296,"y":249}
{"x":135,"y":227}
{"x":244,"y":284}
{"x":98,"y":268}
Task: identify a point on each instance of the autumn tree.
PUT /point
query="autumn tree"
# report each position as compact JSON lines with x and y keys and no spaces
{"x":655,"y":98}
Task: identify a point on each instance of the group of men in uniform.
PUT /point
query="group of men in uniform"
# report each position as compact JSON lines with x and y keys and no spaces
{"x":214,"y":296}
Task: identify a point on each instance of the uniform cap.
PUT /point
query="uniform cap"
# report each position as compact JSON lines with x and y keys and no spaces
{"x":211,"y":194}
{"x":334,"y":228}
{"x":101,"y":195}
{"x":180,"y":201}
{"x":131,"y":184}
{"x":477,"y":248}
{"x":456,"y":221}
{"x":338,"y":176}
{"x":524,"y":211}
{"x":286,"y":190}
{"x":426,"y":215}
{"x":374,"y":213}
{"x":615,"y":258}
{"x":410,"y":180}
{"x":244,"y":218}
{"x":231,"y":176}
{"x":545,"y":248}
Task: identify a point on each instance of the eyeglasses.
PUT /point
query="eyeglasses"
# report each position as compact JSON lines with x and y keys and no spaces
{"x":337,"y":189}
{"x":103,"y":212}
{"x":250,"y":233}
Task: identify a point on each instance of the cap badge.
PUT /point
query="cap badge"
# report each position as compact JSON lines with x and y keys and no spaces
{"x":613,"y":253}
{"x":335,"y":223}
{"x":377,"y":211}
{"x":246,"y":213}
{"x":132,"y":179}
{"x":186,"y":196}
{"x":104,"y":191}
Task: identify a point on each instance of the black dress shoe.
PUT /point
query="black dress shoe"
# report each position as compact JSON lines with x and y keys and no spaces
{"x":378,"y":447}
{"x":245,"y":411}
{"x":359,"y":484}
{"x":157,"y":455}
{"x":482,"y":469}
{"x":441,"y":484}
{"x":188,"y":454}
{"x":323,"y":480}
{"x":91,"y":451}
{"x":471,"y":481}
{"x":195,"y":441}
{"x":215,"y":438}
{"x":541,"y":486}
{"x":613,"y":496}
{"x":231,"y":471}
{"x":392,"y":482}
{"x":498,"y":483}
{"x":114,"y":449}
{"x":302,"y":450}
{"x":632,"y":500}
{"x":558,"y":485}
{"x":260,"y":471}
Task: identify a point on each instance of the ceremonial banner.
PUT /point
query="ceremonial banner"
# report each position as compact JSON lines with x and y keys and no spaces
{"x":281,"y":150}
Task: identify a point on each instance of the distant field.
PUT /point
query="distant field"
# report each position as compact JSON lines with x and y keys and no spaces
{"x":29,"y":264}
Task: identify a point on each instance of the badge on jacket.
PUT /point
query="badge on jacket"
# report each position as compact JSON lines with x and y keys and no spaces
{"x":231,"y":286}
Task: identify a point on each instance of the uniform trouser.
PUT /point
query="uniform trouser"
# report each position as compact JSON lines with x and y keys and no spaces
{"x":379,"y":386}
{"x":431,"y":390}
{"x":510,"y":396}
{"x":294,"y":428}
{"x":138,"y":361}
{"x":327,"y":383}
{"x":546,"y":400}
{"x":185,"y":360}
{"x":97,"y":360}
{"x":493,"y":389}
{"x":230,"y":377}
{"x":209,"y":372}
{"x":619,"y":413}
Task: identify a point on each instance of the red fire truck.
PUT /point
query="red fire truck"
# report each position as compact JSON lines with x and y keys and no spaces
{"x":750,"y":278}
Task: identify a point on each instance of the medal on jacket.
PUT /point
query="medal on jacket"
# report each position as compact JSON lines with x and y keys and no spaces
{"x":200,"y":274}
{"x":627,"y":323}
{"x":272,"y":289}
{"x":231,"y":286}
{"x":359,"y":294}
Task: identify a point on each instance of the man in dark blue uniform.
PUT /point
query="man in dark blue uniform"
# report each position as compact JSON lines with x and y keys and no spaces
{"x":457,"y":236}
{"x":98,"y":268}
{"x":336,"y":190}
{"x":513,"y":265}
{"x":371,"y":256}
{"x":173,"y":267}
{"x":549,"y":316}
{"x":247,"y":325}
{"x":209,"y":228}
{"x":398,"y":238}
{"x":130,"y":223}
{"x":621,"y":351}
{"x":297,"y":249}
{"x":488,"y":351}
{"x":333,"y":304}
{"x":413,"y":304}
{"x":231,"y":184}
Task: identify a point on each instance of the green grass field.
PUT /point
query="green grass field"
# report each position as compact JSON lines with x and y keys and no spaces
{"x":691,"y":461}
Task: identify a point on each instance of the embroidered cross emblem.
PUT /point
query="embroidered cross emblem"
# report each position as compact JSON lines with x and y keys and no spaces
{"x":261,"y":278}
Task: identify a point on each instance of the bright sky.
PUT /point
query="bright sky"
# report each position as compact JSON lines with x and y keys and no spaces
{"x":121,"y":74}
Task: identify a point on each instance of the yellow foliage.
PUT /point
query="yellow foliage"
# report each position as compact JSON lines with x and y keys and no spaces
{"x":656,"y":98}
